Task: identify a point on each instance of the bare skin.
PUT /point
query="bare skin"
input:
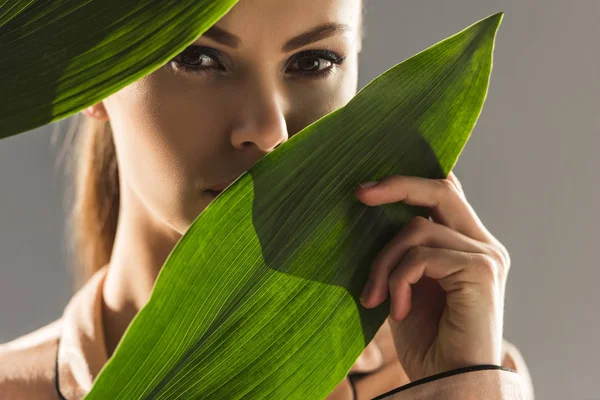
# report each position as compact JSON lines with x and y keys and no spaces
{"x":177,"y":133}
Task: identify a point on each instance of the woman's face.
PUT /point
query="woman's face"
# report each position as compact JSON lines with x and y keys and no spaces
{"x":178,"y":132}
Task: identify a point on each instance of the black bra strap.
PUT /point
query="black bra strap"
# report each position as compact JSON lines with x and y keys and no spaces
{"x":56,"y":388}
{"x":353,"y":386}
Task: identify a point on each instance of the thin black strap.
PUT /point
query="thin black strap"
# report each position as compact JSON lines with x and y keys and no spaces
{"x":351,"y":380}
{"x":356,"y":375}
{"x":56,"y":388}
{"x":443,"y":375}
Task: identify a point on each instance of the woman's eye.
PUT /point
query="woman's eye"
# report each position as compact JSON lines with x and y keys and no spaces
{"x":309,"y":63}
{"x":197,"y":59}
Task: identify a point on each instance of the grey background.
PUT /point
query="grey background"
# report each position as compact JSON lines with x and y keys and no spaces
{"x":529,"y":171}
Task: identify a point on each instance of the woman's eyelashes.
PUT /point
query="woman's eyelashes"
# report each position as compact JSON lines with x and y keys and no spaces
{"x":308,"y":63}
{"x":312,"y":64}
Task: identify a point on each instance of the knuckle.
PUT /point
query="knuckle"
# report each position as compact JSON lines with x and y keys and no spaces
{"x":451,"y":188}
{"x":501,"y":255}
{"x":456,"y":181}
{"x":506,"y":255}
{"x":448,"y":185}
{"x":496,"y":254}
{"x":488,"y":266}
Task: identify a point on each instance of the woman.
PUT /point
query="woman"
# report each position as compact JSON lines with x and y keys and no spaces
{"x":150,"y":155}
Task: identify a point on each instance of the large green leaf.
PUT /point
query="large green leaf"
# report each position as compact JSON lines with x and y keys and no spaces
{"x":259,"y":299}
{"x":58,"y":57}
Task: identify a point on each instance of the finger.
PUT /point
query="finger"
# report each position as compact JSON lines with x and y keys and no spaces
{"x":418,"y":232}
{"x":454,"y":179}
{"x":452,"y":269}
{"x":448,"y":206}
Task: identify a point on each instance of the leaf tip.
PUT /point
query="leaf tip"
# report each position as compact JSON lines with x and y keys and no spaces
{"x":494,"y":20}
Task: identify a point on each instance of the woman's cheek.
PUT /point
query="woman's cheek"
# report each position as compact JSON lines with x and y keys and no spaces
{"x":150,"y":156}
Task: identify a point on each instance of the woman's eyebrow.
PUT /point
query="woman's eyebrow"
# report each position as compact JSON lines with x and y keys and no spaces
{"x":314,"y":34}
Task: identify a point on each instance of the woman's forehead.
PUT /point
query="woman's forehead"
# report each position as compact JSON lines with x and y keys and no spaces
{"x":283,"y":19}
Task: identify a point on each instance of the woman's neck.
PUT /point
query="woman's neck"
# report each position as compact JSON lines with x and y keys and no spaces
{"x":141,"y":247}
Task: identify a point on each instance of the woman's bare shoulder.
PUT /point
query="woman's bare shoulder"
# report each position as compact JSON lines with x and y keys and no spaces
{"x":27,"y":364}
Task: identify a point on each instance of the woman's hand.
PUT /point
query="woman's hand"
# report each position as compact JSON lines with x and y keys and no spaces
{"x":446,"y":277}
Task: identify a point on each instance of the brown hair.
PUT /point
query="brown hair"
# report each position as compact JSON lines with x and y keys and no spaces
{"x":93,"y":216}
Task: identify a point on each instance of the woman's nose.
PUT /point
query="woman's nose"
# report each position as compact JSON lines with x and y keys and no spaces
{"x":261,"y":118}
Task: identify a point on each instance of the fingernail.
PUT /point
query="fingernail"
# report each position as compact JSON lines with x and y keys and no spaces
{"x":368,"y":184}
{"x":365,"y":293}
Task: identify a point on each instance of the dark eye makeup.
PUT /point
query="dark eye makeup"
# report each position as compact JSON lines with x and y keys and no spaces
{"x":306,"y":64}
